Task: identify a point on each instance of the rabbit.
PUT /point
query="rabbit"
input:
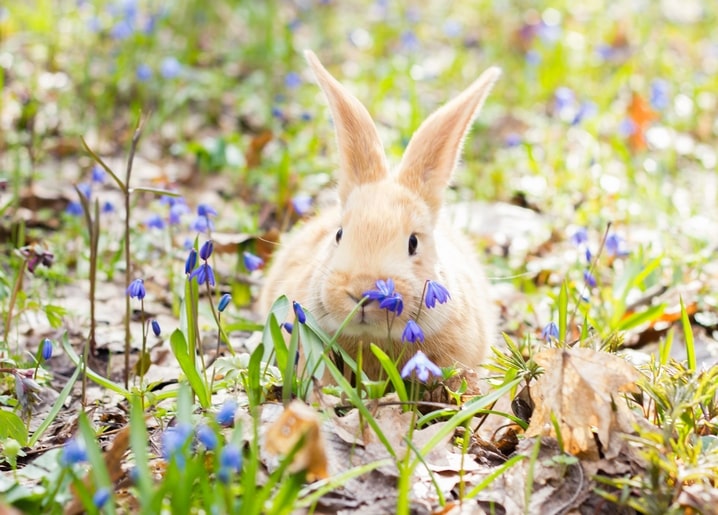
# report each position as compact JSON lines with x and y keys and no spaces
{"x":390,"y":226}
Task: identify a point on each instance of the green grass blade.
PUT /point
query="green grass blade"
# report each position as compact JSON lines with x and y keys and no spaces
{"x":688,"y":333}
{"x":391,"y":371}
{"x":181,"y":353}
{"x":94,"y":376}
{"x":59,"y":404}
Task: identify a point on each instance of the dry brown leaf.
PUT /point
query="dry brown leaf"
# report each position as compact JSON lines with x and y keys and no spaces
{"x":580,"y":387}
{"x":296,"y":422}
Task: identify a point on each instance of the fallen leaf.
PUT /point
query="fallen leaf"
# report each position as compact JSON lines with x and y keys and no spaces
{"x":581,"y":388}
{"x":296,"y":422}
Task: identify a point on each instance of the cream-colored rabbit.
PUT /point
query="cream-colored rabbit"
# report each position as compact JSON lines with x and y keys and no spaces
{"x":389,"y":225}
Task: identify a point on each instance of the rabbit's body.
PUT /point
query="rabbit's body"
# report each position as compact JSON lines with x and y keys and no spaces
{"x":390,"y":226}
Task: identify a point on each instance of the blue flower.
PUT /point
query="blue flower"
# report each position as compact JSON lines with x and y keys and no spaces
{"x":46,"y":351}
{"x":170,"y":68}
{"x":121,"y":30}
{"x":386,"y":296}
{"x":512,"y":139}
{"x":230,"y":457}
{"x":206,"y":249}
{"x":409,"y":41}
{"x":277,"y":113}
{"x":74,"y":208}
{"x":173,"y":440}
{"x":191,"y":261}
{"x":412,"y":333}
{"x":206,"y":210}
{"x":659,"y":96}
{"x":288,"y":326}
{"x":589,"y":255}
{"x":204,"y":274}
{"x":616,"y":246}
{"x":155,"y":222}
{"x":108,"y":207}
{"x":586,"y":110}
{"x":102,"y":495}
{"x":85,"y":189}
{"x":452,"y":28}
{"x":564,"y":98}
{"x":73,"y":452}
{"x":422,"y":366}
{"x":301,"y":204}
{"x":435,"y":292}
{"x":202,"y":224}
{"x":207,"y":437}
{"x":292,"y":80}
{"x":156,"y":327}
{"x":550,"y":332}
{"x":136,"y":289}
{"x":224,"y":302}
{"x":589,"y":278}
{"x":626,"y":127}
{"x":176,"y":211}
{"x":252,"y":262}
{"x":580,"y":236}
{"x":299,"y":312}
{"x":143,"y":72}
{"x":225,"y":415}
{"x":98,"y":174}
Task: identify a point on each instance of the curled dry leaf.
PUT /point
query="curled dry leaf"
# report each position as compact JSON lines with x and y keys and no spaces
{"x":296,"y":422}
{"x":582,"y":387}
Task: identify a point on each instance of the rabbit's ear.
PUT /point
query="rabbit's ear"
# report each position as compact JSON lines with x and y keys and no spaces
{"x":434,"y":149}
{"x":361,"y":154}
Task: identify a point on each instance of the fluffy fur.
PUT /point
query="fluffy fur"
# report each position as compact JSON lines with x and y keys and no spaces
{"x":378,"y":212}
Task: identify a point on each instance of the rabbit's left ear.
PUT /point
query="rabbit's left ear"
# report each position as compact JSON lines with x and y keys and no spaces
{"x":434,"y":149}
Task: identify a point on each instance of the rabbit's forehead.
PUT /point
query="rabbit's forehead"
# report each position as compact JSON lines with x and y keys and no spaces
{"x":385,"y":204}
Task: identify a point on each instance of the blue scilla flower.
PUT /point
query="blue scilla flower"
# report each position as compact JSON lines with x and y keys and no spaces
{"x":224,"y":302}
{"x":98,"y":174}
{"x":206,"y":210}
{"x":385,"y":295}
{"x":564,"y":98}
{"x":616,"y":246}
{"x":202,"y":224}
{"x":252,"y":262}
{"x":108,"y":207}
{"x":435,"y":292}
{"x":155,"y":222}
{"x":207,"y":437}
{"x":421,"y":366}
{"x":136,"y":289}
{"x":191,"y":261}
{"x":73,"y":452}
{"x":46,"y":349}
{"x":231,"y":457}
{"x":177,"y":210}
{"x":589,"y":279}
{"x":288,"y":326}
{"x":85,"y":189}
{"x":299,"y":312}
{"x":102,"y":495}
{"x":173,"y":440}
{"x":550,"y":332}
{"x":580,"y":236}
{"x":156,"y":327}
{"x":205,"y":251}
{"x":292,"y":80}
{"x":301,"y":204}
{"x":204,"y":274}
{"x":74,"y":208}
{"x":225,"y":415}
{"x":170,"y":67}
{"x":123,"y":29}
{"x":659,"y":96}
{"x":143,"y":72}
{"x":412,"y":333}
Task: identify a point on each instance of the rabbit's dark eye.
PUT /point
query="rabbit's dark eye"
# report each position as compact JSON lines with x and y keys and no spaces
{"x":413,"y":243}
{"x":339,"y":235}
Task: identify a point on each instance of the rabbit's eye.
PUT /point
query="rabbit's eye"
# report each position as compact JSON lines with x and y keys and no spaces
{"x":413,"y":243}
{"x":339,"y":235}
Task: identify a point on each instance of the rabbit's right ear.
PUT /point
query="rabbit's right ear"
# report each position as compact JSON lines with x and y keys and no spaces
{"x":361,"y":154}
